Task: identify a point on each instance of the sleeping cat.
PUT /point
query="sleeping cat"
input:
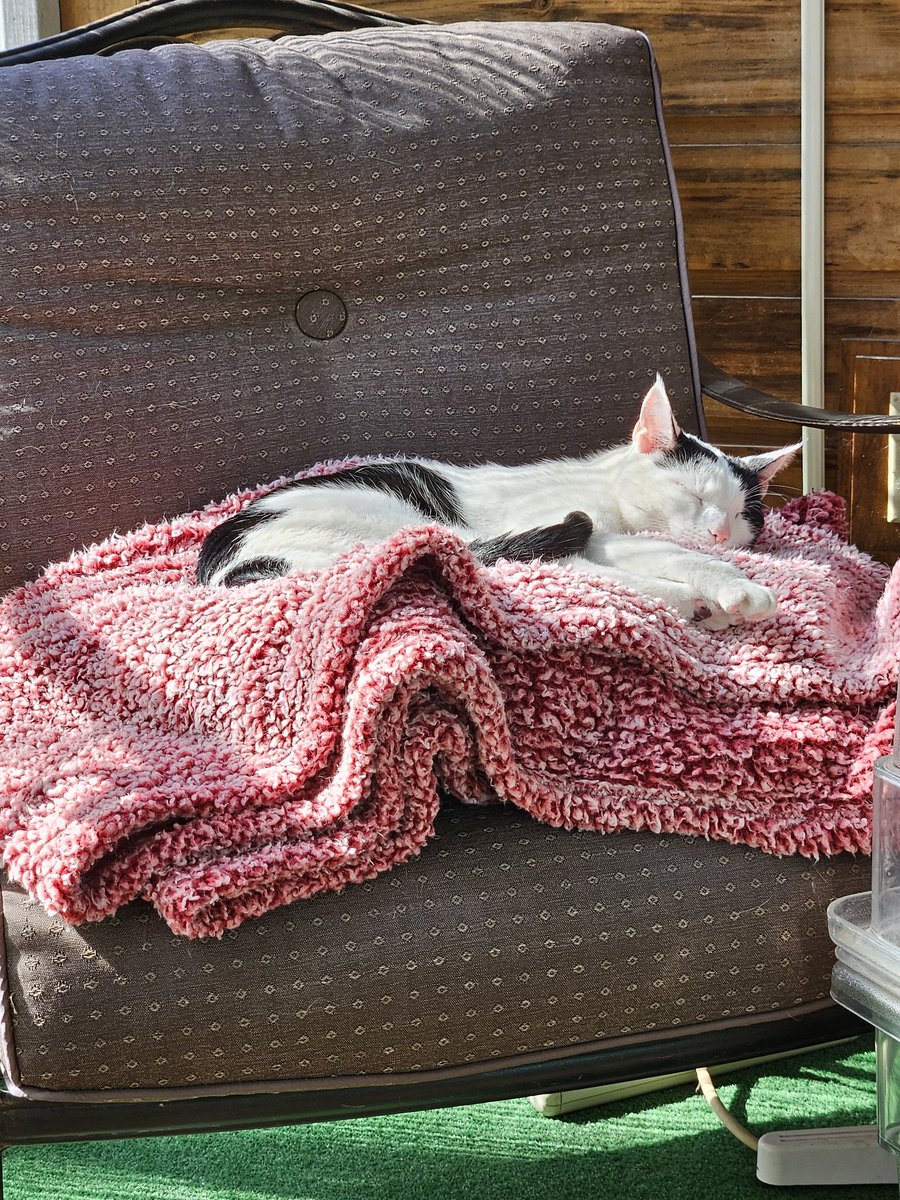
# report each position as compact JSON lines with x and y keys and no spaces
{"x":587,"y":512}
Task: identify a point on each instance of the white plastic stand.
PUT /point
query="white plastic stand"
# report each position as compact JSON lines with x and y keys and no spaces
{"x":843,"y":1155}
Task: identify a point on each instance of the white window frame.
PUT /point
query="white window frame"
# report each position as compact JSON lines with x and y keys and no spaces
{"x":23,"y":21}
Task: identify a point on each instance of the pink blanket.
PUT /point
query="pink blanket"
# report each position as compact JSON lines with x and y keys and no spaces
{"x":220,"y":752}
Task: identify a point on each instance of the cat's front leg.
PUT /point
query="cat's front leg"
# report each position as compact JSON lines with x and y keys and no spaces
{"x":721,"y":594}
{"x":676,"y":595}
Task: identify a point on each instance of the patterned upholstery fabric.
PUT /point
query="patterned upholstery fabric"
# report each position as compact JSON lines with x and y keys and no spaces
{"x":223,"y":263}
{"x":504,"y":940}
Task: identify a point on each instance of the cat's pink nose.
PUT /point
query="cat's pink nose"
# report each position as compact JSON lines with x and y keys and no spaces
{"x":720,"y":534}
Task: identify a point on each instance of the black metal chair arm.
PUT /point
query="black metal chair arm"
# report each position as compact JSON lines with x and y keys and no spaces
{"x":159,"y":21}
{"x":719,"y":385}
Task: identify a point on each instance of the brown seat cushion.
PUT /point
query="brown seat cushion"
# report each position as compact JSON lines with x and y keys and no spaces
{"x":505,"y":941}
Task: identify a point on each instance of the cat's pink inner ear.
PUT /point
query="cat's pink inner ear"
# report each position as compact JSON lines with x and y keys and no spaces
{"x":771,"y":464}
{"x":656,"y":427}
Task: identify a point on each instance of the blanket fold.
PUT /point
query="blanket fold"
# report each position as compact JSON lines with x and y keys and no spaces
{"x":223,"y":751}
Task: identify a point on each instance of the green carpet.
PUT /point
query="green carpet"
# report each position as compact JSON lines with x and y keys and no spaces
{"x":661,"y":1146}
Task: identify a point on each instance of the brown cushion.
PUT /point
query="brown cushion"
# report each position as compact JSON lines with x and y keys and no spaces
{"x":505,"y":940}
{"x":482,"y":215}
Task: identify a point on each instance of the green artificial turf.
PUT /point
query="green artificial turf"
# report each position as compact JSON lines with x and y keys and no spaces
{"x":667,"y":1144}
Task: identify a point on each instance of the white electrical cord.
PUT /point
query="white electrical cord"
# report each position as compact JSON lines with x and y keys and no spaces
{"x":731,"y":1123}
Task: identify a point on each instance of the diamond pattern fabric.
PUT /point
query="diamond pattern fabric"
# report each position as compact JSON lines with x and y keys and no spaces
{"x":503,"y":939}
{"x":485,"y":212}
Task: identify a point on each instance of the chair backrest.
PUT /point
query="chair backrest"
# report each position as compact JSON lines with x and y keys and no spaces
{"x":224,"y":262}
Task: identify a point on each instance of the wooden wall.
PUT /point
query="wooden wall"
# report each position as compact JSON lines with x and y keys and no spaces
{"x":731,"y":82}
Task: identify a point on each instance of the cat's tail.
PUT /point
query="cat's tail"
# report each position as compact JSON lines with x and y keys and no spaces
{"x":549,"y":542}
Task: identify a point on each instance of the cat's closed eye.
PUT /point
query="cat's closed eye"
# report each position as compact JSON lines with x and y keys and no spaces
{"x":691,"y":493}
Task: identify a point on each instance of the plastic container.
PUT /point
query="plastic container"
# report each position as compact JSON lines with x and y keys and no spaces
{"x":866,"y":931}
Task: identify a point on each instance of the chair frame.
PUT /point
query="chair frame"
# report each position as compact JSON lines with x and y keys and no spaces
{"x":24,"y":1121}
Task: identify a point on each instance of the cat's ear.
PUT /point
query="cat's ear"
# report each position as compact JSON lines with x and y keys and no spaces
{"x":768,"y":465}
{"x":656,"y":427}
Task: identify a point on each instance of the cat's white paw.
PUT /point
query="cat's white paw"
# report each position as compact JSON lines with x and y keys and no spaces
{"x":735,"y":600}
{"x":749,"y":601}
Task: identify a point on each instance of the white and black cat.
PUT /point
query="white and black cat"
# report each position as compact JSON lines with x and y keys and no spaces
{"x":588,"y":512}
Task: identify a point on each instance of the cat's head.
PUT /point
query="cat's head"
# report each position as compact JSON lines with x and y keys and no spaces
{"x":689,"y":489}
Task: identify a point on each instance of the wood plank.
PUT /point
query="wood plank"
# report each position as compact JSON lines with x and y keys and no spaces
{"x":758,"y":339}
{"x":81,"y":12}
{"x":863,"y":128}
{"x":741,"y":208}
{"x":870,"y":373}
{"x":863,"y":220}
{"x":692,"y":127}
{"x":862,"y":49}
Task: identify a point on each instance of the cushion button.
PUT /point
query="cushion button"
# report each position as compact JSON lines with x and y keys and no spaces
{"x":320,"y":314}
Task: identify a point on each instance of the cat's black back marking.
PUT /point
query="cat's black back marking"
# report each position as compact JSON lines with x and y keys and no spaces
{"x":548,"y":542}
{"x":254,"y":569}
{"x":413,"y":482}
{"x":224,"y":541}
{"x":408,"y":480}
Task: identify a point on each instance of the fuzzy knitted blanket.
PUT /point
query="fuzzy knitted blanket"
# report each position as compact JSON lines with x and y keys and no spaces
{"x":223,"y":751}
